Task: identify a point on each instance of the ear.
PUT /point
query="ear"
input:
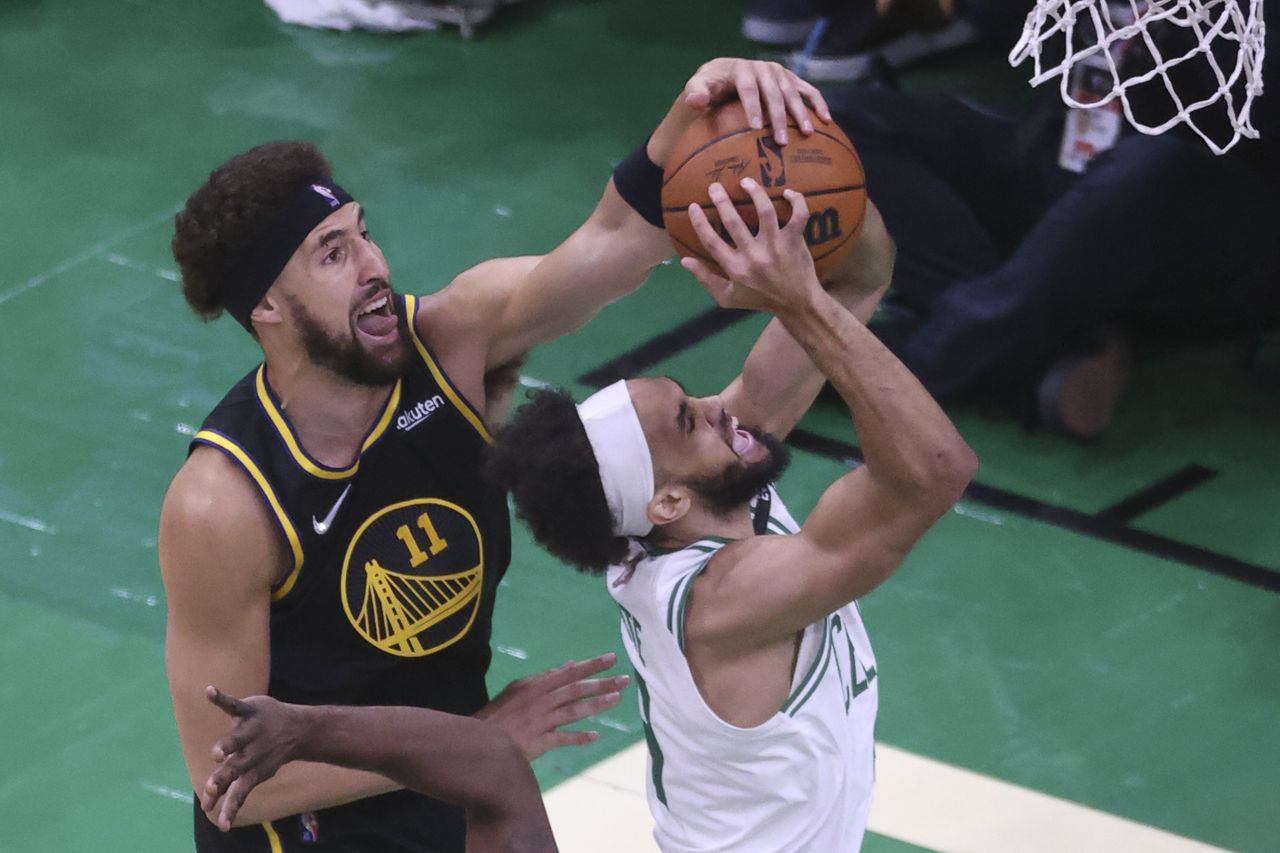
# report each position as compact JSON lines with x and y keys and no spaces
{"x":268,"y":311}
{"x":670,"y":503}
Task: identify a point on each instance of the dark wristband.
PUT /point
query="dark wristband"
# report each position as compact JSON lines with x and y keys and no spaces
{"x":639,"y":181}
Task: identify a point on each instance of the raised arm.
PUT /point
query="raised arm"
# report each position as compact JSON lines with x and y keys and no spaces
{"x":219,"y":556}
{"x":499,"y":309}
{"x":917,"y":465}
{"x":461,"y":760}
{"x":779,"y":381}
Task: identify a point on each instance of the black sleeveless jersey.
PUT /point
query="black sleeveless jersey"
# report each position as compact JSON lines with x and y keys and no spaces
{"x":396,"y":561}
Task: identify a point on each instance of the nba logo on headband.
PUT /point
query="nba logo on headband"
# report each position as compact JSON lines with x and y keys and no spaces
{"x":327,"y":193}
{"x":252,"y":269}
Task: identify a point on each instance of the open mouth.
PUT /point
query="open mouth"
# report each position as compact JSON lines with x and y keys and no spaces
{"x":741,"y":441}
{"x":377,"y":318}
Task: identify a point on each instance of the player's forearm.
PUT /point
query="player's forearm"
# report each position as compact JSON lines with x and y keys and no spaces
{"x":606,"y":258}
{"x":908,"y":442}
{"x":305,"y":786}
{"x":457,"y":759}
{"x":779,"y":381}
{"x":668,"y":131}
{"x":610,"y":255}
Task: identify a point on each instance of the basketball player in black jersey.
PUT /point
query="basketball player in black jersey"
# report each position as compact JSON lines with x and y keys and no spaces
{"x":329,"y":539}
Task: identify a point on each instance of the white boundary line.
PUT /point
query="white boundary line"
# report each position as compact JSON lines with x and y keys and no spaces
{"x":91,"y":252}
{"x":918,"y":800}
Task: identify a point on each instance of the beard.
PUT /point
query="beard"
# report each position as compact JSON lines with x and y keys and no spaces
{"x":741,"y":481}
{"x":344,"y":356}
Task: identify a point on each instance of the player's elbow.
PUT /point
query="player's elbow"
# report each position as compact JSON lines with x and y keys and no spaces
{"x":951,"y":472}
{"x":959,"y":466}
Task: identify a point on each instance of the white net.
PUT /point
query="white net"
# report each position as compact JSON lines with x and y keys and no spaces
{"x":1211,"y":50}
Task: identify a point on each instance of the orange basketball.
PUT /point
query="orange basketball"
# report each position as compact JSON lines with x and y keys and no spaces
{"x":722,"y":147}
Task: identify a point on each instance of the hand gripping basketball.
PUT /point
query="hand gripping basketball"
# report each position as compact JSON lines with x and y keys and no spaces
{"x":723,"y":147}
{"x":769,"y":93}
{"x":769,"y":270}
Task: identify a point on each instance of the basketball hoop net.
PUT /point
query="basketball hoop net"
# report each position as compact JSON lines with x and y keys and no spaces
{"x":1097,"y":32}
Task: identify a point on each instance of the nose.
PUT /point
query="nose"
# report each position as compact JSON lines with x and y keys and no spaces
{"x":373,"y":264}
{"x":713,"y":411}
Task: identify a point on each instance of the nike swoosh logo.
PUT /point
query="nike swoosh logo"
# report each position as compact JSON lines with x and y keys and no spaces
{"x":322,"y":527}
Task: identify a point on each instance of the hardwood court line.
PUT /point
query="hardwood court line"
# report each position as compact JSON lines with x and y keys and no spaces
{"x":918,"y":800}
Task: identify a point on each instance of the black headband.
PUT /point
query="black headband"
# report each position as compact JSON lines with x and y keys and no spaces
{"x":253,"y":269}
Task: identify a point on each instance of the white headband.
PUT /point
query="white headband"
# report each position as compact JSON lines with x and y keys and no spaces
{"x":622,"y":454}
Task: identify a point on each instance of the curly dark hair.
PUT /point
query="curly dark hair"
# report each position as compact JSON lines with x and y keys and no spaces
{"x":231,"y":208}
{"x":544,"y":458}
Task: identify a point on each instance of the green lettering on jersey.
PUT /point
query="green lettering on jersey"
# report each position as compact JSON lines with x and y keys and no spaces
{"x":655,"y":751}
{"x":632,"y":626}
{"x":851,"y":691}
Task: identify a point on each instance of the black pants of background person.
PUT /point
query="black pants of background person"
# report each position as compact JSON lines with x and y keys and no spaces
{"x":1006,"y":262}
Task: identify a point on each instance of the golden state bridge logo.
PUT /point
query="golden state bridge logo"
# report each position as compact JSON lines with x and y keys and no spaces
{"x":412,"y":577}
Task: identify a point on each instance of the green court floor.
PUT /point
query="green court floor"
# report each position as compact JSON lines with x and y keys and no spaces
{"x":1068,"y":627}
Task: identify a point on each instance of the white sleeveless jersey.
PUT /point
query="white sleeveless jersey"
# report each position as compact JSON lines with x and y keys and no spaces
{"x":801,"y":782}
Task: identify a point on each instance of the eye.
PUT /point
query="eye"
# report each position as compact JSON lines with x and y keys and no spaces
{"x":689,"y":428}
{"x":365,"y":233}
{"x":333,"y":255}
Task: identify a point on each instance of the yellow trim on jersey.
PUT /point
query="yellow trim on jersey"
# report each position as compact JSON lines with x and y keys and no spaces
{"x":272,"y":838}
{"x":459,"y":402}
{"x":300,"y":456}
{"x":393,"y":402}
{"x":290,"y":532}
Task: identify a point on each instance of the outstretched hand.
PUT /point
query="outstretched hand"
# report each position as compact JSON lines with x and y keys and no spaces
{"x":263,"y":739}
{"x":767,"y":91}
{"x":770,"y":270}
{"x":532,"y":710}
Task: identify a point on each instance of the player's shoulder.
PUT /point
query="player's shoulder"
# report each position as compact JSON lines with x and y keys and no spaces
{"x":213,"y":516}
{"x":661,"y":570}
{"x":211,"y":488}
{"x":448,"y":317}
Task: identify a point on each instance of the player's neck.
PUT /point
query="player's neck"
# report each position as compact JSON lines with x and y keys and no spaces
{"x":330,"y":415}
{"x":700,"y":523}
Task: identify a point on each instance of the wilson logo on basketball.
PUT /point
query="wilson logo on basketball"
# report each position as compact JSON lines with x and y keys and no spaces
{"x":822,"y":226}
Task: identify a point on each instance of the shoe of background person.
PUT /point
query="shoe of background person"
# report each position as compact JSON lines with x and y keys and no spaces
{"x":855,"y":35}
{"x":1078,"y":394}
{"x":782,"y":22}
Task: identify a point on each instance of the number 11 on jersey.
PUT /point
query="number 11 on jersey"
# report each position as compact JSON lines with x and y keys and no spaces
{"x":435,"y":543}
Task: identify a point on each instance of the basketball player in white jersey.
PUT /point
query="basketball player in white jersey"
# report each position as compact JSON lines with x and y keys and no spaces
{"x":757,"y":684}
